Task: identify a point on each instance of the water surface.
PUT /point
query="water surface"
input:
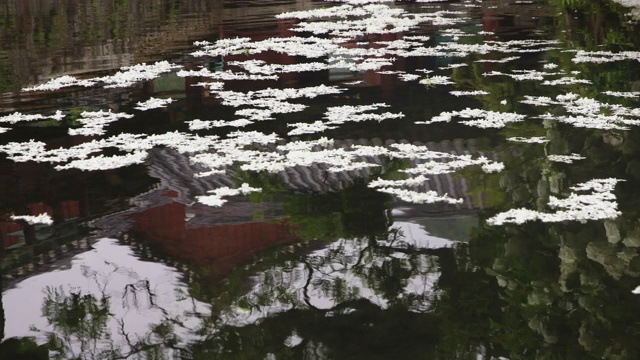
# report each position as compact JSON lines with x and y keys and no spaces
{"x":455,"y":180}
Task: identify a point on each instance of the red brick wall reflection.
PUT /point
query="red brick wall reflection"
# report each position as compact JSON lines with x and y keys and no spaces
{"x":219,"y":246}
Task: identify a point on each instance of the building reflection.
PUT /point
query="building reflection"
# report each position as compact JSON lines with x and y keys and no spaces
{"x":218,"y":239}
{"x":222,"y":238}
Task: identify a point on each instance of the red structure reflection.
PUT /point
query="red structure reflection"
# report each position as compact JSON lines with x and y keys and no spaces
{"x":201,"y":235}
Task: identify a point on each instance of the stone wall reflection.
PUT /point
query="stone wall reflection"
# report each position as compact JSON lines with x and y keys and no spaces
{"x":45,"y":39}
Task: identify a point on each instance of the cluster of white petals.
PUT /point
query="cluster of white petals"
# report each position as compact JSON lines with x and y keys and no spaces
{"x":130,"y":75}
{"x":61,"y":82}
{"x":153,"y":103}
{"x":94,"y":122}
{"x":408,"y":77}
{"x":358,"y":113}
{"x":270,"y":101}
{"x":499,"y":61}
{"x":599,"y":204}
{"x":469,"y":93}
{"x":217,"y":195}
{"x":433,"y":167}
{"x":312,"y":47}
{"x":567,"y":159}
{"x":415,"y":181}
{"x":583,"y":56}
{"x":428,"y":197}
{"x":521,"y":75}
{"x":350,"y":20}
{"x":481,"y":118}
{"x":309,"y":128}
{"x":261,"y":67}
{"x":198,"y":124}
{"x":566,"y":80}
{"x":453,"y":66}
{"x":625,"y":94}
{"x":436,"y":80}
{"x":211,"y":85}
{"x":18,"y":117}
{"x":587,"y":112}
{"x":226,"y":75}
{"x":102,"y":162}
{"x":43,"y":218}
{"x":127,"y":76}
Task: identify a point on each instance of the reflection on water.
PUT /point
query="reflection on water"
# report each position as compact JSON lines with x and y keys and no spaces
{"x":330,"y":259}
{"x":46,"y":39}
{"x":106,"y":303}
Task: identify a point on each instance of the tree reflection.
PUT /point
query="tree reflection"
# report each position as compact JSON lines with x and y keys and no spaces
{"x":18,"y":348}
{"x":565,"y":288}
{"x":359,"y":298}
{"x":76,"y":318}
{"x":362,"y":289}
{"x":86,"y":325}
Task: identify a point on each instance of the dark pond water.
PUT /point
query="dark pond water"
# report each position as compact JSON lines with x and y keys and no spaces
{"x":203,"y":179}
